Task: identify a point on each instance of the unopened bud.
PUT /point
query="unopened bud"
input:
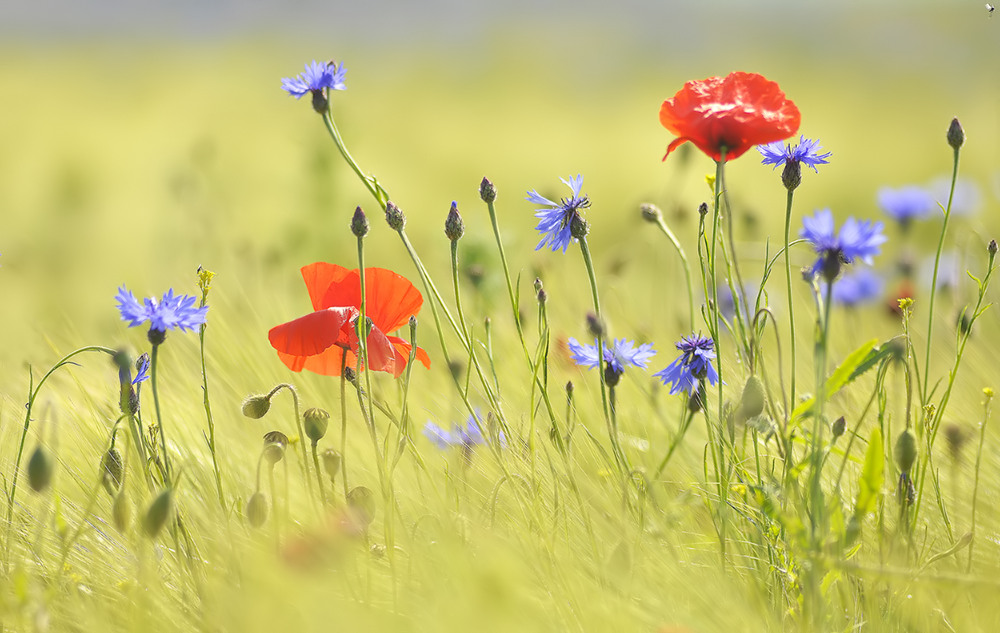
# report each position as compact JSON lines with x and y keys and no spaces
{"x":991,"y":248}
{"x":257,"y":509}
{"x":394,"y":217}
{"x":121,"y":511}
{"x":40,"y":469}
{"x":274,"y":446}
{"x":703,"y":209}
{"x":454,"y":227}
{"x":359,"y":223}
{"x":695,"y":401}
{"x":650,"y":212}
{"x":315,"y":421}
{"x":956,"y":135}
{"x":350,"y":375}
{"x":112,"y":469}
{"x":542,"y":296}
{"x":838,"y":427}
{"x":157,"y":514}
{"x":906,"y":450}
{"x":752,"y":401}
{"x":255,"y":407}
{"x":791,"y":175}
{"x":361,"y":501}
{"x":487,"y":190}
{"x":331,"y":462}
{"x":906,"y":494}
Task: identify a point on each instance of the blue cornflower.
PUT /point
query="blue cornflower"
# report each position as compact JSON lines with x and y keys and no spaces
{"x":318,"y":76}
{"x":860,"y":286}
{"x":172,"y":311}
{"x":556,"y":222}
{"x":141,"y":369}
{"x":807,"y":151}
{"x":906,"y":203}
{"x":465,"y":436}
{"x":856,"y":239}
{"x":620,"y":354}
{"x":692,"y":366}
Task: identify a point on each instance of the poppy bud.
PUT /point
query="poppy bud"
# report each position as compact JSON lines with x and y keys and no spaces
{"x":40,"y":469}
{"x":650,"y":212}
{"x":454,"y":227}
{"x":394,"y":217}
{"x":112,"y":468}
{"x":121,"y":511}
{"x":594,"y":325}
{"x":578,"y":227}
{"x":956,"y":135}
{"x":359,"y":223}
{"x":331,"y":461}
{"x":361,"y":501}
{"x":157,"y":514}
{"x":256,"y":406}
{"x":257,"y":509}
{"x":315,"y":421}
{"x":906,"y":450}
{"x":487,"y":190}
{"x":274,"y":446}
{"x":752,"y":401}
{"x":839,"y":426}
{"x":791,"y":175}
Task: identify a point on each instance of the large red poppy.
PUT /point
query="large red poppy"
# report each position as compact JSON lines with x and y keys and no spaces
{"x":734,"y":112}
{"x":319,"y":340}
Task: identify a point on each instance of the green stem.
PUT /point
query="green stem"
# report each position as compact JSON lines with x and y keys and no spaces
{"x":208,"y":415}
{"x":153,"y":357}
{"x":975,"y":486}
{"x":343,"y":422}
{"x":684,"y":262}
{"x":791,"y":303}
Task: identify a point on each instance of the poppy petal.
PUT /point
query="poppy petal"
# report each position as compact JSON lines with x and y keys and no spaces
{"x":381,"y":353}
{"x":390,"y":299}
{"x":327,"y":363}
{"x":311,"y":334}
{"x":319,"y":277}
{"x":404,"y":347}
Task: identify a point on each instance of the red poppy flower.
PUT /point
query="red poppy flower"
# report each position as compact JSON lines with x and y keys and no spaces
{"x":319,"y":340}
{"x":736,"y":112}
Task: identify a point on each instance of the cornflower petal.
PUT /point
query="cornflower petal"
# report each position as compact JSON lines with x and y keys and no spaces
{"x":556,"y":219}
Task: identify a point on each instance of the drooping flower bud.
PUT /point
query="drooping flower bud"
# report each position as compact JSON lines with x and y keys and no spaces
{"x":257,"y":509}
{"x":359,"y":223}
{"x":394,"y":217}
{"x":255,"y":407}
{"x":906,"y":450}
{"x":361,"y":501}
{"x":315,"y":421}
{"x":40,"y":469}
{"x":274,"y":446}
{"x":753,"y":398}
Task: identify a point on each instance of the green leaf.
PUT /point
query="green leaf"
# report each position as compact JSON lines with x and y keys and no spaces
{"x":872,"y":473}
{"x":857,"y":362}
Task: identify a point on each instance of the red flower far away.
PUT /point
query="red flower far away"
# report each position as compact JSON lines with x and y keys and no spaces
{"x":734,"y":112}
{"x":319,"y":340}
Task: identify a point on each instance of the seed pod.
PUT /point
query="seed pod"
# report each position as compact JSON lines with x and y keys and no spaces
{"x":906,"y":450}
{"x":331,"y":461}
{"x":274,"y":446}
{"x":112,"y":469}
{"x":257,"y":509}
{"x":315,"y":421}
{"x":752,"y":401}
{"x":40,"y":469}
{"x":157,"y":513}
{"x":361,"y":500}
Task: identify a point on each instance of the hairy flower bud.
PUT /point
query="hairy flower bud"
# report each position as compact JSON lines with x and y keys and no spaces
{"x":256,"y":406}
{"x":650,"y":212}
{"x":394,"y":217}
{"x":359,"y":223}
{"x":487,"y":190}
{"x":454,"y":227}
{"x":157,"y":514}
{"x":40,"y":469}
{"x":274,"y":446}
{"x":112,"y":469}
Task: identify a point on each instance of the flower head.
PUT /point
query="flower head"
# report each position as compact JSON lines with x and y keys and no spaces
{"x":170,"y":312}
{"x":731,"y":113}
{"x":857,"y":287}
{"x":325,"y":340}
{"x":807,"y":151}
{"x":692,"y":366}
{"x":621,"y":354}
{"x":318,"y":76}
{"x":555,"y":222}
{"x":465,"y":436}
{"x":141,"y":369}
{"x":906,"y":203}
{"x":861,"y":240}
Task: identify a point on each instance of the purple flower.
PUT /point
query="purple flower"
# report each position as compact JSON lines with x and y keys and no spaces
{"x":860,"y":286}
{"x":807,"y":151}
{"x":172,"y":311}
{"x":316,"y":78}
{"x":555,"y":222}
{"x":692,"y":366}
{"x":141,"y":369}
{"x":906,"y":203}
{"x":622,"y":353}
{"x":465,"y":436}
{"x":861,"y":240}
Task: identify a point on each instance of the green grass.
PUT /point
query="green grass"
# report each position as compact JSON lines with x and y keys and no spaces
{"x":122,"y":176}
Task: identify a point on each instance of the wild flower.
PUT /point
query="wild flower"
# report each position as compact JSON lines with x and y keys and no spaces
{"x":170,"y":312}
{"x":555,"y":222}
{"x":621,"y":354}
{"x":731,"y":113}
{"x":141,"y":369}
{"x":806,"y":151}
{"x":861,"y":240}
{"x":692,"y":366}
{"x":320,"y":340}
{"x":858,"y":287}
{"x":906,"y":203}
{"x":466,"y":436}
{"x":316,"y":77}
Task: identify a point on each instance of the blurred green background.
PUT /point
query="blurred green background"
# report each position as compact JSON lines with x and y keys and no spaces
{"x":140,"y":141}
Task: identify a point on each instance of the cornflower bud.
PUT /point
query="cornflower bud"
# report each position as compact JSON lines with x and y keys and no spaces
{"x":394,"y":217}
{"x":454,"y":227}
{"x":650,"y":212}
{"x":991,"y":248}
{"x":839,"y":426}
{"x":791,"y":175}
{"x":956,"y":134}
{"x":703,"y":209}
{"x":359,"y":223}
{"x":487,"y":190}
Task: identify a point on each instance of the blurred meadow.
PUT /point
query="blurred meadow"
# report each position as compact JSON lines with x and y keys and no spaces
{"x":134,"y":150}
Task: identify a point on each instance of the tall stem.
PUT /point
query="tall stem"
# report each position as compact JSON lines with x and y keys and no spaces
{"x":791,"y":303}
{"x":154,"y":353}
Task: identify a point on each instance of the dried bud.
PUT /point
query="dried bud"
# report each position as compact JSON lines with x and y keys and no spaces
{"x":791,"y":175}
{"x":454,"y":227}
{"x":752,"y":401}
{"x":274,"y":446}
{"x":394,"y":217}
{"x":257,"y":509}
{"x":906,"y":450}
{"x":331,"y":462}
{"x":157,"y":514}
{"x":315,"y":421}
{"x":956,"y":135}
{"x":40,"y":469}
{"x":359,"y":223}
{"x":361,"y":501}
{"x":112,"y":469}
{"x":839,"y":426}
{"x":594,"y":325}
{"x":578,"y":227}
{"x":487,"y":190}
{"x":256,"y":406}
{"x":650,"y":212}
